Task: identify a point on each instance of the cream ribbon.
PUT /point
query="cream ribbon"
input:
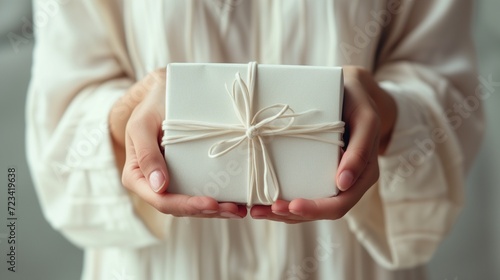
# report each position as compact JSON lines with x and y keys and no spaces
{"x":252,"y":131}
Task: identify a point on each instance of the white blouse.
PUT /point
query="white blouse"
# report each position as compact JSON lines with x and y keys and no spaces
{"x":88,"y":53}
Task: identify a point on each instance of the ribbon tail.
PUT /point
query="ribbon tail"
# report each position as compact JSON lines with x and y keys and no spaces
{"x":253,"y":184}
{"x":268,"y":192}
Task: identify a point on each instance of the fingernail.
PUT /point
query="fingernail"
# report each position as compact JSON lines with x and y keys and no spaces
{"x":279,"y":213}
{"x":209,"y":211}
{"x":345,"y":180}
{"x":229,"y":215}
{"x":295,"y":212}
{"x":156,"y":180}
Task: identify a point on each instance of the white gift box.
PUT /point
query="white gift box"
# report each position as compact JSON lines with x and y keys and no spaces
{"x":249,"y":133}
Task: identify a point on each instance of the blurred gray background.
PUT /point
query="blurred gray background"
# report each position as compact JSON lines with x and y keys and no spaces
{"x":472,"y":251}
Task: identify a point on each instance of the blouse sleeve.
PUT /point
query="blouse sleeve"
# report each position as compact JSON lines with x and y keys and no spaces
{"x":426,"y":62}
{"x":76,"y":78}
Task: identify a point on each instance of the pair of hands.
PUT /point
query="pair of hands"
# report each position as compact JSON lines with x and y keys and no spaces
{"x":135,"y":125}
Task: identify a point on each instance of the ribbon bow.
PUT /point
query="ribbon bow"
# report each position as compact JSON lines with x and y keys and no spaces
{"x":252,"y":131}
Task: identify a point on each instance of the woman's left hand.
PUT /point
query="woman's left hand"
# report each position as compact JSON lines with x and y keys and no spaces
{"x":370,"y":114}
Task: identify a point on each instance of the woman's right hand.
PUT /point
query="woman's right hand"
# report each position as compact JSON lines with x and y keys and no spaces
{"x":135,"y":127}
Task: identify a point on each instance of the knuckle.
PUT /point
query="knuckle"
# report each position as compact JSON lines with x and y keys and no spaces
{"x":356,"y":72}
{"x":359,"y":71}
{"x":370,"y":116}
{"x":372,"y":172}
{"x":175,"y":208}
{"x":187,"y":210}
{"x":126,"y":179}
{"x":155,"y":79}
{"x":362,"y":155}
{"x":190,"y":211}
{"x":160,"y":73}
{"x":341,"y":212}
{"x":376,"y":175}
{"x":160,"y":206}
{"x":145,"y":155}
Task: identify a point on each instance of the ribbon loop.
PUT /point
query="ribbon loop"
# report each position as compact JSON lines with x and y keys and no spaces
{"x":262,"y":177}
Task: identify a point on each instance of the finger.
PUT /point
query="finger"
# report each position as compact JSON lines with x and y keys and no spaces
{"x":292,"y":219}
{"x":260,"y":211}
{"x":280,"y":208}
{"x":143,"y":142}
{"x":133,"y":179}
{"x":232,"y":210}
{"x":285,"y":220}
{"x":240,"y":212}
{"x":335,"y":207}
{"x":360,"y":153}
{"x":175,"y":204}
{"x":276,"y":212}
{"x":363,"y":143}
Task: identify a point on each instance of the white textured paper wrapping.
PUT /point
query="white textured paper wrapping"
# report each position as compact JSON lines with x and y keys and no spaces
{"x":305,"y":168}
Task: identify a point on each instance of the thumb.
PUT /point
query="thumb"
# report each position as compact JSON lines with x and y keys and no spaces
{"x":144,"y":138}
